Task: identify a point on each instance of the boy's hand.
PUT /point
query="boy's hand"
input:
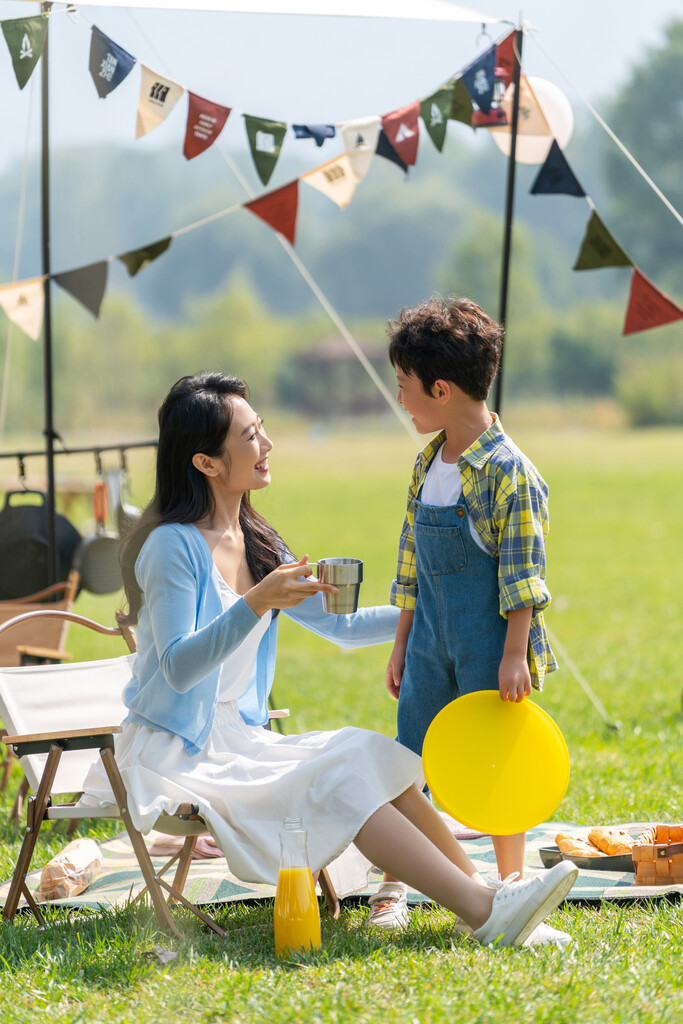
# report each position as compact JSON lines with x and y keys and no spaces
{"x":514,"y":678}
{"x":395,"y":668}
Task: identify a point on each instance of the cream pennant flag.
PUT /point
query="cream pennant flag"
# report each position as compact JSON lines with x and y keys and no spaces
{"x":335,"y":179}
{"x":360,"y":142}
{"x":158,"y":97}
{"x":23,"y":303}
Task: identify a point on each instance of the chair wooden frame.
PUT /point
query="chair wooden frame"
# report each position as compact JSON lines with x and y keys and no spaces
{"x":185,"y":821}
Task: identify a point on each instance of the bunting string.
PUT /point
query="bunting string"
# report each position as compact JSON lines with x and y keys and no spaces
{"x":472,"y":95}
{"x":307,"y":276}
{"x":629,"y":156}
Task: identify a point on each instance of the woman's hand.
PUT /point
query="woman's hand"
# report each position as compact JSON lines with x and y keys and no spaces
{"x":284,"y":588}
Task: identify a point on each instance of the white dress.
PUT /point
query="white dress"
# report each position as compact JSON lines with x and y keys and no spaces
{"x":247,"y":779}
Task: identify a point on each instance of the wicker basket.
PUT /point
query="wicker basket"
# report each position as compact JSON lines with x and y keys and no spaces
{"x":658,"y":855}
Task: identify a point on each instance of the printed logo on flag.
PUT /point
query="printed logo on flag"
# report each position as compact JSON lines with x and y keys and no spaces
{"x":26,"y":51}
{"x":265,"y":142}
{"x":25,"y":38}
{"x":109,"y":62}
{"x":435,"y":116}
{"x":158,"y":93}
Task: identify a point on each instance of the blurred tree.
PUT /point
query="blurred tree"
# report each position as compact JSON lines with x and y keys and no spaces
{"x":647,"y":115}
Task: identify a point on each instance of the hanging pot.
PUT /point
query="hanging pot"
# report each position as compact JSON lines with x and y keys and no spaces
{"x":97,"y":556}
{"x":24,"y":545}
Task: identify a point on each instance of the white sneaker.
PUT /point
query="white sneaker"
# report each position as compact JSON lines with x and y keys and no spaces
{"x":518,"y":907}
{"x":389,"y":907}
{"x":543,"y":934}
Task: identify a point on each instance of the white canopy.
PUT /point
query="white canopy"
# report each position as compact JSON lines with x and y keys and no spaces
{"x":420,"y":10}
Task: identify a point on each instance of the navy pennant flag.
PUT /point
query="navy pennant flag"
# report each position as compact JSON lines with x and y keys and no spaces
{"x":479,"y":79}
{"x":319,"y":132}
{"x":385,"y":149}
{"x":599,"y":249}
{"x":25,"y":38}
{"x":109,"y":62}
{"x":86,"y":285}
{"x":137,"y":259}
{"x":556,"y":176}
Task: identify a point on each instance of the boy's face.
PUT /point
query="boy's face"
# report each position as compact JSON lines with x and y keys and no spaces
{"x":426,"y":410}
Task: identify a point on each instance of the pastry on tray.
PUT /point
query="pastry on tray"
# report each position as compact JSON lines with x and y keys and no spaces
{"x":576,"y":847}
{"x":611,"y":840}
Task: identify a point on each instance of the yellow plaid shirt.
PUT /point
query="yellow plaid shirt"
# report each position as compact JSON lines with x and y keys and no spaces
{"x":507,"y":500}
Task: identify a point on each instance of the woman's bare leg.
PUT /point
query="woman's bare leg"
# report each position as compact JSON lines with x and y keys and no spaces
{"x":510,"y":853}
{"x":420,"y":811}
{"x":390,"y":840}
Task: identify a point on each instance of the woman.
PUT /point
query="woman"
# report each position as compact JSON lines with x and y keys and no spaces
{"x":205,"y":576}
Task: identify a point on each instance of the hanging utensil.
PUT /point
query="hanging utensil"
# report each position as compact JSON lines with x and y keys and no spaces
{"x":24,"y":544}
{"x":127,"y":514}
{"x":97,"y":557}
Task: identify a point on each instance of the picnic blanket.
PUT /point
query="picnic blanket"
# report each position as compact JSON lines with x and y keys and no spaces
{"x":210,"y":881}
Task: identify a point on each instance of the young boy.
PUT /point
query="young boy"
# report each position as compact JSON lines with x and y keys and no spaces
{"x":470,"y":581}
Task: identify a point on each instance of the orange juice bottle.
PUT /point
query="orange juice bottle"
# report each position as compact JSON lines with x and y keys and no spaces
{"x":296,"y":914}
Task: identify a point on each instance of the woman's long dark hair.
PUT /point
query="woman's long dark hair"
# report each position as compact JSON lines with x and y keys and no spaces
{"x":194,"y":418}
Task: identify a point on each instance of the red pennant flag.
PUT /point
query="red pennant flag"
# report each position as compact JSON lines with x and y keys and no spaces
{"x":647,"y":306}
{"x":505,"y":59}
{"x":278,"y":209}
{"x":402,"y":131}
{"x":205,"y":122}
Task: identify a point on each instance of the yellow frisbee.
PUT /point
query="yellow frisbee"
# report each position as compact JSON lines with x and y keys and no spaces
{"x":495,"y":766}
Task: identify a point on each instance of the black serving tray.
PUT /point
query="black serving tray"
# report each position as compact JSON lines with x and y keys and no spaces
{"x":551,"y":855}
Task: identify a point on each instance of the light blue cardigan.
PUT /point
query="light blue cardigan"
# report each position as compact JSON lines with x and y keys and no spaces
{"x":184,"y":635}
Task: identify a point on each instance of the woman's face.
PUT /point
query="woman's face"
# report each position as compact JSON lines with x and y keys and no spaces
{"x":246,"y":447}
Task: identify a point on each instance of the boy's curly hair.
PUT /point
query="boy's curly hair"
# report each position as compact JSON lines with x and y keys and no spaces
{"x":447,"y":339}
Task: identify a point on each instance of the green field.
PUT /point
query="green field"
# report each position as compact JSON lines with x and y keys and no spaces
{"x":615,"y":560}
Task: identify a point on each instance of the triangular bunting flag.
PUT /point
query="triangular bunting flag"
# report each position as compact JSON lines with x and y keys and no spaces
{"x":23,"y":303}
{"x":158,"y":97}
{"x":505,"y":59}
{"x":385,"y":149}
{"x":319,"y":132}
{"x":265,"y":139}
{"x":599,"y":249}
{"x":647,"y":306}
{"x":278,"y":209}
{"x":205,"y":122}
{"x":461,"y":103}
{"x":25,"y":39}
{"x":479,"y":79}
{"x":86,"y":285}
{"x":360,"y":142}
{"x":435,"y":111}
{"x":137,"y":259}
{"x":403,"y":132}
{"x":556,"y":176}
{"x":109,"y":62}
{"x":334,"y":179}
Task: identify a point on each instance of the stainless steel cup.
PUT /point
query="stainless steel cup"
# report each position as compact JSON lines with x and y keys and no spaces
{"x":347,"y":575}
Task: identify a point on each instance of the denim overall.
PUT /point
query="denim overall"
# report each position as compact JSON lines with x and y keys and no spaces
{"x":457,"y":638}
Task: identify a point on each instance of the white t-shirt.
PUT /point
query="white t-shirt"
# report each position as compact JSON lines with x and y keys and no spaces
{"x":237,"y":668}
{"x":443,"y":486}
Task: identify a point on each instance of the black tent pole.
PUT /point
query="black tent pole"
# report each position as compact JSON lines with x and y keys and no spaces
{"x":509,"y":208}
{"x":47,"y":315}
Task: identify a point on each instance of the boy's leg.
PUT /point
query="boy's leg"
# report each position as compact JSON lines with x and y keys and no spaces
{"x":510,"y":854}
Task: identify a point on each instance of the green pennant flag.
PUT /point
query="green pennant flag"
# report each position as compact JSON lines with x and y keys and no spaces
{"x":137,"y":259}
{"x":265,"y":139}
{"x":25,"y":39}
{"x":461,"y":103}
{"x":599,"y":249}
{"x":435,"y":111}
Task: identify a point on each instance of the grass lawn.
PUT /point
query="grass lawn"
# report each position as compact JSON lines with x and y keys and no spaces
{"x":615,"y":560}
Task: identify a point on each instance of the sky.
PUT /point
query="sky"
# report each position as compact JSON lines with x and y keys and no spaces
{"x":300,"y":69}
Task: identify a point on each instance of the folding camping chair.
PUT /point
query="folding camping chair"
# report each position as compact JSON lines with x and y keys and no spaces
{"x":34,"y":643}
{"x":76,"y":710}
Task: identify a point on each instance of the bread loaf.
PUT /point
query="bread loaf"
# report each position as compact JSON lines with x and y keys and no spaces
{"x":577,"y":847}
{"x":611,"y":841}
